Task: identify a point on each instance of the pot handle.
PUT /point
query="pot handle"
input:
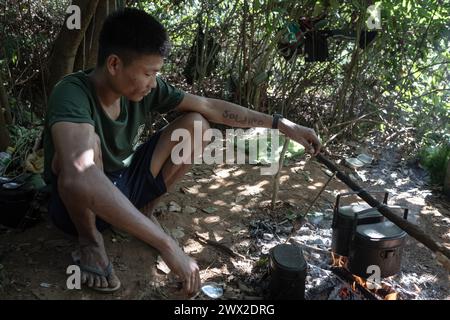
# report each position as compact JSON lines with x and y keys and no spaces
{"x":345,"y":194}
{"x":388,"y":254}
{"x":405,"y":210}
{"x":355,"y":219}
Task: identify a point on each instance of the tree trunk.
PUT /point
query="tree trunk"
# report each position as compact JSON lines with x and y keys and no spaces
{"x":5,"y":140}
{"x":4,"y":102}
{"x":87,"y":51}
{"x":5,"y":117}
{"x":65,"y":47}
{"x":339,"y":109}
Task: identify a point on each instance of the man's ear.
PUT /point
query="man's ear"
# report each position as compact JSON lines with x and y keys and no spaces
{"x":113,"y":64}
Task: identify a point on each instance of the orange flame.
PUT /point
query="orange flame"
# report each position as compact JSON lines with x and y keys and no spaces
{"x":386,"y":292}
{"x":360,"y":281}
{"x":338,"y":261}
{"x":391,"y":296}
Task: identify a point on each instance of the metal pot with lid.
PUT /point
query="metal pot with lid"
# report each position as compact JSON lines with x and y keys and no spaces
{"x":378,"y":244}
{"x":344,"y":218}
{"x":288,"y":272}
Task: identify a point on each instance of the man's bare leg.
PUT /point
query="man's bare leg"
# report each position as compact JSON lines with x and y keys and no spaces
{"x":92,"y":249}
{"x":171,"y":172}
{"x":174,"y":174}
{"x":82,"y":183}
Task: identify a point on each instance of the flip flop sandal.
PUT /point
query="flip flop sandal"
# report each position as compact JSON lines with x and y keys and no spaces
{"x":103,"y":273}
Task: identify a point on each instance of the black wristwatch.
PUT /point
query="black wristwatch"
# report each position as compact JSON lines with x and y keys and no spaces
{"x":276,"y":118}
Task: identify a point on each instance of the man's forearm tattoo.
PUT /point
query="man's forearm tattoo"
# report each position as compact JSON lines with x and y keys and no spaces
{"x":249,"y":121}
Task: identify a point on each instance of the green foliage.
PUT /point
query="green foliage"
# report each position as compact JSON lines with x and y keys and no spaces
{"x":435,"y":159}
{"x":266,"y":151}
{"x":400,"y":80}
{"x":23,"y":140}
{"x":27,"y":31}
{"x":291,"y":215}
{"x":262,"y":262}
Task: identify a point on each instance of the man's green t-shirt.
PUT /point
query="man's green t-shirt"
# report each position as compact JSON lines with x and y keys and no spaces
{"x":74,"y":100}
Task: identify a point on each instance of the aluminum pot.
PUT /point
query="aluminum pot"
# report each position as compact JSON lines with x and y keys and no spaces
{"x":380,"y":245}
{"x":344,"y":218}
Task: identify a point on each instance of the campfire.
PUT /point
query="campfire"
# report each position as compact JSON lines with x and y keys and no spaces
{"x":366,"y":250}
{"x":338,"y":261}
{"x":370,"y":289}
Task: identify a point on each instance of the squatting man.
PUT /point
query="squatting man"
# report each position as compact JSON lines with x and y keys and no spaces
{"x":99,"y":177}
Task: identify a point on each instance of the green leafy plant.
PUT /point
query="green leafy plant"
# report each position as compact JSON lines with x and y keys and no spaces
{"x":435,"y":159}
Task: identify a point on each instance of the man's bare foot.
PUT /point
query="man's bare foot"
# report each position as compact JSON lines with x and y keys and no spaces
{"x":96,"y":269}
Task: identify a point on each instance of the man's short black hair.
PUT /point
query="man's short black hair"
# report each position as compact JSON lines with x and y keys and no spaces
{"x":129,"y":32}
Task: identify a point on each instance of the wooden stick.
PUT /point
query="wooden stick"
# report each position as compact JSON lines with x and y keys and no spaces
{"x":218,"y":245}
{"x":276,"y":179}
{"x":299,"y":218}
{"x":318,"y":195}
{"x":442,"y":253}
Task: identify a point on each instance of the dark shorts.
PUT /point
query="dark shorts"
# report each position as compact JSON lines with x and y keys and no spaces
{"x":136,"y":182}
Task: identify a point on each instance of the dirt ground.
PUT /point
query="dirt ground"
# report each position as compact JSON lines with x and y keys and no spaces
{"x":226,"y":198}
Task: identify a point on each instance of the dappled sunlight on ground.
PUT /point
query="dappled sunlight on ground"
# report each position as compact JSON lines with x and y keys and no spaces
{"x":223,"y":200}
{"x":211,"y":219}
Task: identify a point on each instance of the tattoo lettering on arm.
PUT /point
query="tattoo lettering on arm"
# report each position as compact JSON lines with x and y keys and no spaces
{"x":255,"y":122}
{"x":248,"y":121}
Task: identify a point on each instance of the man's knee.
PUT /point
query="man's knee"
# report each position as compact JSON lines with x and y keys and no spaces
{"x":97,"y":146}
{"x":194,"y":117}
{"x":98,"y":151}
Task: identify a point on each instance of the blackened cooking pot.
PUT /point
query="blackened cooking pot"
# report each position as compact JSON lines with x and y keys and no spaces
{"x":288,"y":273}
{"x":344,"y":218}
{"x":378,"y":244}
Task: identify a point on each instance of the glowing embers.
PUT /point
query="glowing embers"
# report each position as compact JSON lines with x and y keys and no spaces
{"x":338,"y":261}
{"x":357,"y":287}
